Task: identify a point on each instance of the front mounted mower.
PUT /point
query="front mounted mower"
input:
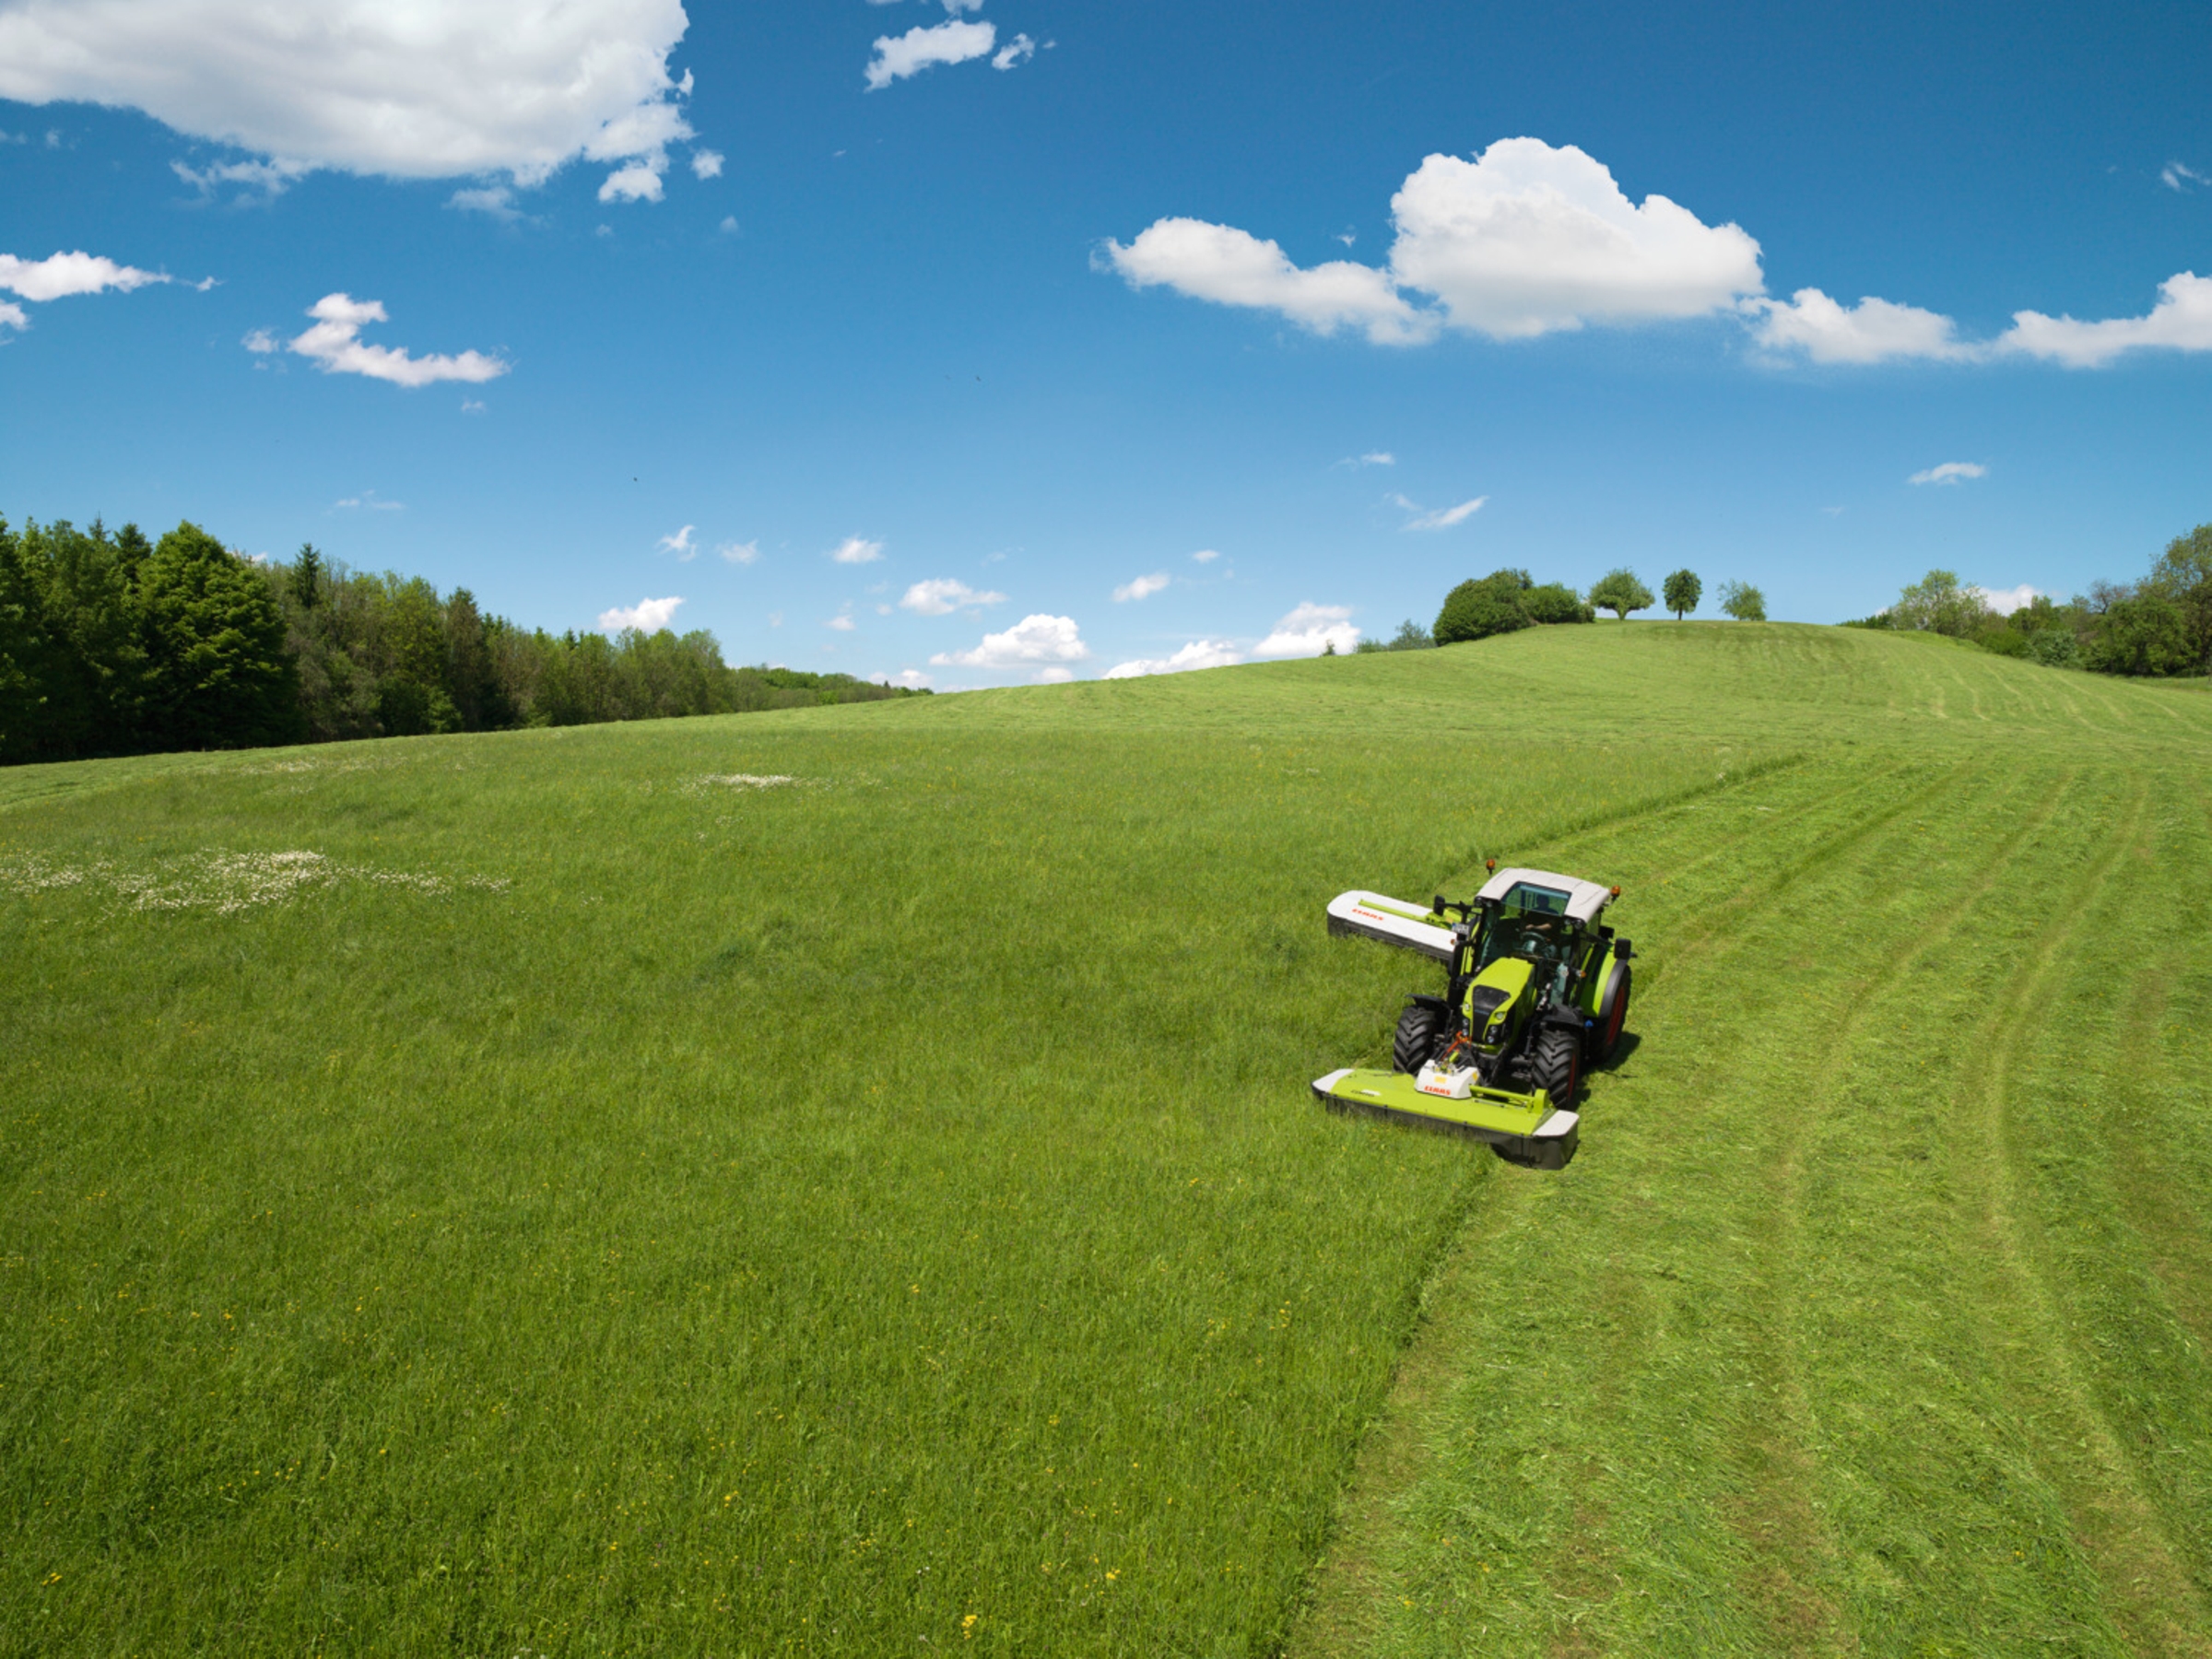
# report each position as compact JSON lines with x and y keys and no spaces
{"x":1537,"y":989}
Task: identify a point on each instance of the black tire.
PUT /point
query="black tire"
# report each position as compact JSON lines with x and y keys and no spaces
{"x":1604,"y":1040}
{"x":1556,"y":1066}
{"x":1420,"y":1034}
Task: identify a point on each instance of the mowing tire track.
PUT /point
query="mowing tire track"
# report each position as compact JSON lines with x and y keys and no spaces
{"x":2147,"y":1585}
{"x":1352,"y":1599}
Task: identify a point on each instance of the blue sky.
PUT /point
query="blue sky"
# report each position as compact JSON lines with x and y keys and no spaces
{"x":1012,"y":338}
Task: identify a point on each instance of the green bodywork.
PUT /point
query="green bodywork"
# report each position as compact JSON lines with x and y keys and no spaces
{"x":1497,"y":1110}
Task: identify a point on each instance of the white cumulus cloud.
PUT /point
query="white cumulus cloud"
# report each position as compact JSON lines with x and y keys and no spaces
{"x":2004,"y":601}
{"x":681,"y":544}
{"x":951,"y":41}
{"x":13,"y":316}
{"x":1441,"y":518}
{"x":2180,"y":320}
{"x":1014,"y":51}
{"x":740,"y":553}
{"x":638,"y":181}
{"x":334,"y":346}
{"x":1144,"y":587}
{"x":706,"y":163}
{"x":1198,"y":653}
{"x":1234,"y":267}
{"x":1034,"y":640}
{"x":943,"y":595}
{"x":1524,"y":240}
{"x":404,"y":91}
{"x":1206,"y":555}
{"x":1950,"y":472}
{"x":648,"y":616}
{"x":913,"y":679}
{"x":856,"y":549}
{"x":1054,"y":677}
{"x":61,"y":275}
{"x":842,"y":622}
{"x":1309,"y":631}
{"x":1872,"y":331}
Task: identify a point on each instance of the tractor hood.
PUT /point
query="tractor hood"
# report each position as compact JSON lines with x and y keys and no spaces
{"x":1493,"y":995}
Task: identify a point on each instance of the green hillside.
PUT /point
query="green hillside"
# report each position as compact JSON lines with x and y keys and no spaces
{"x":843,"y":1181}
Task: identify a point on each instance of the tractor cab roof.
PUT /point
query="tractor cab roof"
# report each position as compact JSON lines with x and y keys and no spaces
{"x":1543,"y":892}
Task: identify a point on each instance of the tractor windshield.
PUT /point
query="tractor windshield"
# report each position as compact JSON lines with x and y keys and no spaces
{"x":1530,"y":922}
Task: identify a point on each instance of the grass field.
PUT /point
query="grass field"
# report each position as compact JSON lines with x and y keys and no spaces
{"x":556,"y":1191}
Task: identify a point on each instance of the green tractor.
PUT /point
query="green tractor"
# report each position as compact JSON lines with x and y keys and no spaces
{"x":1539,"y":990}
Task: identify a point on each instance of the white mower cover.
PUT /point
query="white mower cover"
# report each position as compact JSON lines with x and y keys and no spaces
{"x":1391,"y":920}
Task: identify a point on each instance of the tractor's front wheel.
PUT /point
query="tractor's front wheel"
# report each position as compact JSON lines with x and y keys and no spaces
{"x":1420,"y":1033}
{"x":1556,"y":1066}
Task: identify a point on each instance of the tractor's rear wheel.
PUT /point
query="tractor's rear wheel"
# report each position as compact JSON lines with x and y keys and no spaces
{"x":1420,"y":1033}
{"x":1556,"y":1066}
{"x":1612,"y":1016}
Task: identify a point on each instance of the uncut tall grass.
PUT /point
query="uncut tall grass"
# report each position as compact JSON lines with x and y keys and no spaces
{"x":610,"y":1208}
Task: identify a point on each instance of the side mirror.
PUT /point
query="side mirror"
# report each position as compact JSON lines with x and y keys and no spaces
{"x":1622,"y":950}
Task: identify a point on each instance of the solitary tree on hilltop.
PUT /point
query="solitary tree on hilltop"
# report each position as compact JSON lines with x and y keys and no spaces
{"x":1683,"y":590}
{"x":1743,"y":602}
{"x":1620,"y":592}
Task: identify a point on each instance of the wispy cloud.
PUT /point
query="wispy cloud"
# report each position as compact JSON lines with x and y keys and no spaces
{"x":2175,"y":176}
{"x":680,"y":544}
{"x":1373,"y":458}
{"x":260,"y":341}
{"x":740,"y":553}
{"x":1950,"y":472}
{"x":1144,"y":587}
{"x":269,"y":178}
{"x":1206,"y":554}
{"x":368,"y":499}
{"x":857,"y":550}
{"x":1442,"y":518}
{"x":494,"y":200}
{"x":648,"y":616}
{"x":1015,"y":51}
{"x":943,"y":595}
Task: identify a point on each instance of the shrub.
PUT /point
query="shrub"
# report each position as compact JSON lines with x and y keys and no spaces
{"x":1743,"y":602}
{"x":1411,"y":635}
{"x":1556,"y":602}
{"x":1476,"y":609}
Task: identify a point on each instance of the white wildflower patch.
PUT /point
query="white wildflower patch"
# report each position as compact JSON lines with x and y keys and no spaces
{"x":222,"y":883}
{"x":737,"y":781}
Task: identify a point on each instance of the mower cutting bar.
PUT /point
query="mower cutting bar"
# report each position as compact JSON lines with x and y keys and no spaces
{"x":1526,"y":1128}
{"x":1391,"y":920}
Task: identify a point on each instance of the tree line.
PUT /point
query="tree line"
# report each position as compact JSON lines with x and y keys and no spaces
{"x":2159,"y":626}
{"x":113,"y":644}
{"x":1509,"y":600}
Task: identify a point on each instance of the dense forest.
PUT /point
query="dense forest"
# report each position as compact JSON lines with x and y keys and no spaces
{"x":111,"y":644}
